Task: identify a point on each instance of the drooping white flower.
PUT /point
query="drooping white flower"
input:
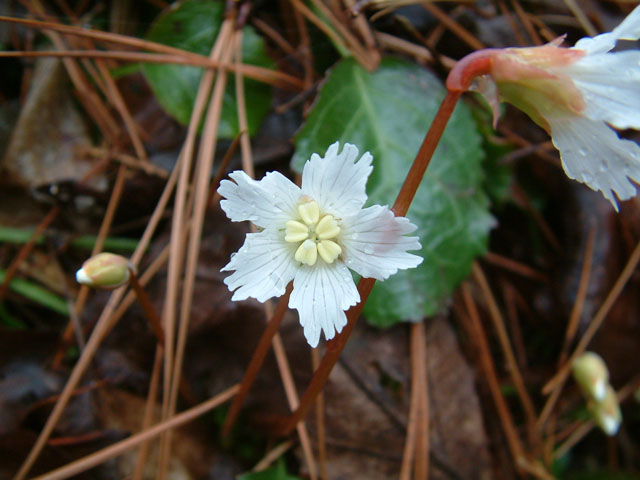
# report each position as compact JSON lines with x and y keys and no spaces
{"x":576,"y":94}
{"x":313,"y":235}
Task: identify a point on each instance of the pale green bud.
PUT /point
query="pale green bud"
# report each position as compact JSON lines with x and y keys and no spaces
{"x":590,"y":372}
{"x":104,"y":270}
{"x":607,"y":413}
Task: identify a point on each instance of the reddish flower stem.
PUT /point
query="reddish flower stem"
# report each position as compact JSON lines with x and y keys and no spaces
{"x":147,"y":307}
{"x":400,"y":207}
{"x":256,"y":361}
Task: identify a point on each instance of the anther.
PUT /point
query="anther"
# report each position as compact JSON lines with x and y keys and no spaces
{"x":296,"y":231}
{"x":327,"y":228}
{"x":307,"y":253}
{"x":309,"y":212}
{"x":329,"y":250}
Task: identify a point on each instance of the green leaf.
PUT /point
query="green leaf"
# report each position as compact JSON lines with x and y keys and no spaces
{"x":278,"y":472}
{"x":37,"y":294}
{"x":194,"y":25}
{"x":388,"y":113}
{"x":87,"y":242}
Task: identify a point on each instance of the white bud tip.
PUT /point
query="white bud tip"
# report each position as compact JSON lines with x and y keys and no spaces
{"x":83,"y":278}
{"x":610,"y":425}
{"x":599,"y":390}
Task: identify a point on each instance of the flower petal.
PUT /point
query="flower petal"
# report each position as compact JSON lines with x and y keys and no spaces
{"x":375,"y":245}
{"x":321,"y":294}
{"x":263,"y":266}
{"x":268,"y":202}
{"x":629,"y":29}
{"x":335,"y":181}
{"x":592,"y":153}
{"x":610,"y":85}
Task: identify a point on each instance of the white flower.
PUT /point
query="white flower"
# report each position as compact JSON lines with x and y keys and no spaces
{"x":313,"y":235}
{"x":577,"y":94}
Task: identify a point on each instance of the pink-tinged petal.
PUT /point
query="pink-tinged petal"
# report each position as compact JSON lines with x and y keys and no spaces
{"x":592,"y":153}
{"x":610,"y":85}
{"x":263,"y":266}
{"x":270,"y":202}
{"x":321,"y":294}
{"x":629,"y":29}
{"x":375,"y":244}
{"x":337,"y":181}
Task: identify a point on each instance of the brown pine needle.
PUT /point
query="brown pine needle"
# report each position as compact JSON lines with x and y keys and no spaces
{"x":147,"y":418}
{"x":478,"y":337}
{"x":102,"y":36}
{"x":581,"y":295}
{"x":526,"y":21}
{"x":515,"y":29}
{"x":412,"y":426}
{"x":261,"y":74}
{"x":581,"y":17}
{"x":505,"y":345}
{"x":26,"y":250}
{"x":391,"y":42}
{"x":419,"y":345}
{"x":465,"y":35}
{"x":101,"y":456}
{"x":514,"y":266}
{"x":272,"y":456}
{"x":320,"y":422}
{"x":202,"y":175}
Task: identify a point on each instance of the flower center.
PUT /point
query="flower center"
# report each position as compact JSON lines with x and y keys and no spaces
{"x":315,"y":233}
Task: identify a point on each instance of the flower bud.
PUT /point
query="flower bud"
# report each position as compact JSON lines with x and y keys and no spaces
{"x":104,"y":270}
{"x":607,"y":413}
{"x":591,"y":373}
